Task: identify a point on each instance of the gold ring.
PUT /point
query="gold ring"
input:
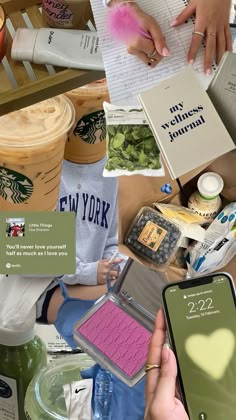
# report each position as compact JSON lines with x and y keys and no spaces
{"x":148,"y":367}
{"x":198,"y":33}
{"x":152,"y":54}
{"x":211,"y":33}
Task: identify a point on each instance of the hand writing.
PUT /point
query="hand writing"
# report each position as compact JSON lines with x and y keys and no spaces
{"x":151,"y":48}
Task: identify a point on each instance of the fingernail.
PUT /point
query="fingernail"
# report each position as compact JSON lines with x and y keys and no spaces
{"x":173,"y":22}
{"x":165,"y":353}
{"x":191,"y":62}
{"x":208,"y":72}
{"x":165,"y":52}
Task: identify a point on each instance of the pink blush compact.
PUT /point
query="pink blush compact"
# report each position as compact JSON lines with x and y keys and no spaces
{"x":118,"y":336}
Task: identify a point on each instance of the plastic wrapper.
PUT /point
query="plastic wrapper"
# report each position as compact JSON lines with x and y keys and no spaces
{"x":131,"y":146}
{"x":180,"y":213}
{"x":219,"y":246}
{"x":153,"y":237}
{"x":188,"y":221}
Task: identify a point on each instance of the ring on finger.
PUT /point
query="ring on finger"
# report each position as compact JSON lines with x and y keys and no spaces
{"x":198,"y":33}
{"x":152,"y":54}
{"x":211,"y":33}
{"x":149,"y":366}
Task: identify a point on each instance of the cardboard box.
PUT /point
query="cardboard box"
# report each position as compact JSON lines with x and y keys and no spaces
{"x":138,"y":191}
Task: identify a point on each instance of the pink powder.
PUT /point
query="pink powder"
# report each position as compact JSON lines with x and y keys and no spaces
{"x":117,"y":335}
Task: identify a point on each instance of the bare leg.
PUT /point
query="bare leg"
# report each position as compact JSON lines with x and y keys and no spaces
{"x":77,"y":291}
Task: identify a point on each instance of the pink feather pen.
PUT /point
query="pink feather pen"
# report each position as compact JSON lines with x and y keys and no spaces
{"x":123,"y":24}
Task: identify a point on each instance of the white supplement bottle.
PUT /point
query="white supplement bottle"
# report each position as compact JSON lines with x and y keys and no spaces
{"x":206,"y":200}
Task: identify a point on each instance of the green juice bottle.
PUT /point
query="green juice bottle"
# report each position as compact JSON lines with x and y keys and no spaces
{"x":22,"y":354}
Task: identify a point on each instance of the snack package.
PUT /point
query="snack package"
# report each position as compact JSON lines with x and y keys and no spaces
{"x":131,"y":146}
{"x":188,"y":221}
{"x":219,"y":246}
{"x":180,"y":213}
{"x":153,"y":237}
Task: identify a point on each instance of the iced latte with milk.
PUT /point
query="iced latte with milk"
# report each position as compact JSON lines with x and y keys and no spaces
{"x":2,"y":32}
{"x":87,"y":143}
{"x":32,"y":143}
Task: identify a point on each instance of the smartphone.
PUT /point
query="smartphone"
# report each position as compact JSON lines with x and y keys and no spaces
{"x":201,"y":322}
{"x":233,"y":33}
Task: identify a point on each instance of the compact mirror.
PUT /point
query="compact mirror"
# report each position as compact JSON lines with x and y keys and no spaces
{"x":142,"y":286}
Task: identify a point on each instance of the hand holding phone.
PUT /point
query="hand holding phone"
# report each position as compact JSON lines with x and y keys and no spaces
{"x":161,"y":401}
{"x":200,"y":315}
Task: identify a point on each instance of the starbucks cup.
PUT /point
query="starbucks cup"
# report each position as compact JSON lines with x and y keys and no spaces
{"x":87,"y":144}
{"x":2,"y":32}
{"x":32,"y":143}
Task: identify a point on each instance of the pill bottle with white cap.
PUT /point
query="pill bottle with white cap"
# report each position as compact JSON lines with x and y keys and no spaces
{"x":206,"y":200}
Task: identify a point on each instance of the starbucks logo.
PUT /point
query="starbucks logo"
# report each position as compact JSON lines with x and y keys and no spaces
{"x":14,"y":187}
{"x":91,"y":128}
{"x":5,"y":390}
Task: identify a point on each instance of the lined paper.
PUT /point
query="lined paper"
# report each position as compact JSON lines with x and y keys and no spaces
{"x":126,"y":75}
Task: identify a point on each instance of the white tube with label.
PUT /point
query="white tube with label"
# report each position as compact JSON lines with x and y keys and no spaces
{"x":59,"y":47}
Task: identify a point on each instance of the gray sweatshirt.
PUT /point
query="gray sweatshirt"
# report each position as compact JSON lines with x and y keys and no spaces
{"x":93,"y":198}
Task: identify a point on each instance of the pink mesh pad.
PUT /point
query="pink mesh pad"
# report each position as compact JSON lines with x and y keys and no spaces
{"x":117,"y":335}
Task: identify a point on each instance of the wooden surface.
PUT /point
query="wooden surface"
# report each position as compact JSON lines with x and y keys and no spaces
{"x":34,"y":85}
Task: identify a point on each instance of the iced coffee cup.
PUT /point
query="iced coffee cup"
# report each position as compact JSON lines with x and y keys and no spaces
{"x":87,"y":144}
{"x":32,"y":143}
{"x":2,"y":32}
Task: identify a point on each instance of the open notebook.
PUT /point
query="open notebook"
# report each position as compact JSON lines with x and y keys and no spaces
{"x":127,"y":76}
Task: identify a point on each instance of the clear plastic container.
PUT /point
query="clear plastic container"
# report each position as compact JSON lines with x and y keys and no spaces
{"x":45,"y":397}
{"x":154,"y":237}
{"x":87,"y":144}
{"x":21,"y":357}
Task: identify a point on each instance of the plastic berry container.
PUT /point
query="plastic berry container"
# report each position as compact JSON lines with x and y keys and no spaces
{"x":153,"y":237}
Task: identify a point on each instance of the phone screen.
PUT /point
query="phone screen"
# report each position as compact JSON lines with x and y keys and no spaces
{"x":202,"y":325}
{"x":233,"y":33}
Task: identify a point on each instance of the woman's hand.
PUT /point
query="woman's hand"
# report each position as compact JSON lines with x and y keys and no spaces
{"x":142,"y":46}
{"x":161,"y":402}
{"x":211,"y":19}
{"x":103,"y":269}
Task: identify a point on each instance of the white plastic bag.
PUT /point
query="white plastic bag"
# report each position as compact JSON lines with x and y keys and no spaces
{"x":18,"y":297}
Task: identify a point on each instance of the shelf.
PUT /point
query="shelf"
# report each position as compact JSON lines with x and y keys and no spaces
{"x":22,"y":84}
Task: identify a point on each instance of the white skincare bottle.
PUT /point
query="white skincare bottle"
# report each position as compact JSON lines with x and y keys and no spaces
{"x":59,"y":47}
{"x":206,"y":200}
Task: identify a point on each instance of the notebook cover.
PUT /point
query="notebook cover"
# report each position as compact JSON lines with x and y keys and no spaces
{"x":185,"y":123}
{"x":222,"y":92}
